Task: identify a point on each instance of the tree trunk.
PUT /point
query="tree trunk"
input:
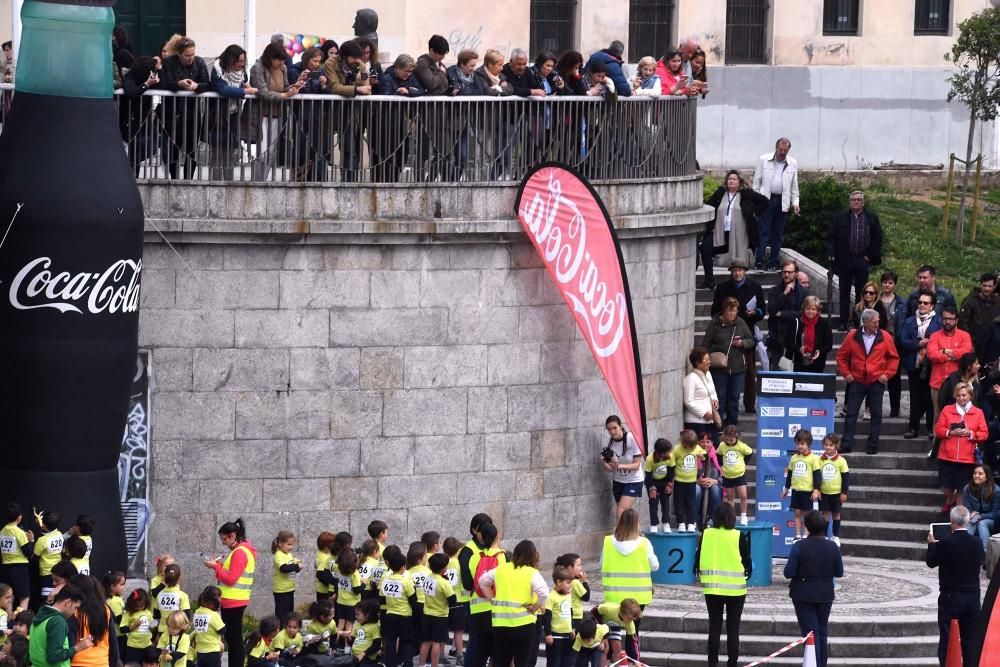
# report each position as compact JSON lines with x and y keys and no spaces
{"x":960,"y":218}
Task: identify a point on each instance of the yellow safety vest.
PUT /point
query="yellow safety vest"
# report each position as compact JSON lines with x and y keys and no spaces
{"x":513,"y":595}
{"x":626,"y":576}
{"x":477,"y":604}
{"x":721,"y":564}
{"x":241,"y":589}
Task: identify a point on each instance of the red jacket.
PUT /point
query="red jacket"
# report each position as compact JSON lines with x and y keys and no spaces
{"x":867,"y":368}
{"x":941,"y":366}
{"x":960,"y":450}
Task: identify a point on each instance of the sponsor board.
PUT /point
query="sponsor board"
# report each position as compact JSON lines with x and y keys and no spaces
{"x":818,"y":432}
{"x":770,"y":453}
{"x":793,"y":429}
{"x":772,"y":433}
{"x":769,"y":507}
{"x":776,"y":385}
{"x":809,"y":386}
{"x":798,"y":412}
{"x":817,"y":412}
{"x":772,"y":411}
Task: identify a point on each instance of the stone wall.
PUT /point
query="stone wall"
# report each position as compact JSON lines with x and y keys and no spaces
{"x":324,"y":357}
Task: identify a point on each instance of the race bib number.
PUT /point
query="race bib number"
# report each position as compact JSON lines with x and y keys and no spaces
{"x":689,"y":462}
{"x":365,"y":571}
{"x":84,"y":569}
{"x":8,"y":545}
{"x":169,"y":602}
{"x":361,"y":635}
{"x":90,"y":547}
{"x":451,"y":576}
{"x":660,"y":471}
{"x":420,"y":581}
{"x":799,"y":469}
{"x":343,"y":584}
{"x":200,"y":623}
{"x":566,"y":608}
{"x":377,"y":575}
{"x":829,"y":472}
{"x":430,"y":587}
{"x":143,"y":625}
{"x":392,"y":589}
{"x":55,"y":545}
{"x":732,"y":458}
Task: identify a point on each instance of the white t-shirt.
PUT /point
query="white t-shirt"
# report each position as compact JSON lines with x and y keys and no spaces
{"x":631,"y":448}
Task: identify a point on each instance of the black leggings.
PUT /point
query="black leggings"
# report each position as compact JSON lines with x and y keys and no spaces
{"x":233,"y":618}
{"x":684,"y":493}
{"x":284,"y":604}
{"x":733,"y":605}
{"x":397,"y":629}
{"x":659,"y":504}
{"x":513,"y":644}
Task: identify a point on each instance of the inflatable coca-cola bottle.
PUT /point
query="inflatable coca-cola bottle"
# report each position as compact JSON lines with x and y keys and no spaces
{"x":69,"y":275}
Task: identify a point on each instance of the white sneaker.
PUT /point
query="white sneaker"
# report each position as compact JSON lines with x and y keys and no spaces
{"x":836,"y":540}
{"x":868,"y":415}
{"x":664,"y":527}
{"x":743,"y":520}
{"x":682,"y":528}
{"x":653,"y":529}
{"x":692,"y":528}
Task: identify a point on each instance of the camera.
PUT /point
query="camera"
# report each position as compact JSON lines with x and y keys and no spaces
{"x":607,"y":454}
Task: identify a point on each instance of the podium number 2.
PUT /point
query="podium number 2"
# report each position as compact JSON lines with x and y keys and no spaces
{"x":675,"y":566}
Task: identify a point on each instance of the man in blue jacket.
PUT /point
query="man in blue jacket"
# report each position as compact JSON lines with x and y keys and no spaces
{"x":612,"y":59}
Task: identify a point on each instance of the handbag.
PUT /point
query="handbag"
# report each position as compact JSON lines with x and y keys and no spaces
{"x":716,"y":417}
{"x":719,"y":360}
{"x":785,"y":363}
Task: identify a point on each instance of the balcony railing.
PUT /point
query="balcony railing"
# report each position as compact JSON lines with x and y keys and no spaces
{"x":324,"y":138}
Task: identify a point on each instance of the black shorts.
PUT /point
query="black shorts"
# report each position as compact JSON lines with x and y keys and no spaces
{"x":457,"y":616}
{"x":18,"y":578}
{"x":802,"y":500}
{"x":343,"y":612}
{"x":435,"y":629}
{"x":830,"y":502}
{"x":631,"y":489}
{"x":736,"y":481}
{"x":952,"y":475}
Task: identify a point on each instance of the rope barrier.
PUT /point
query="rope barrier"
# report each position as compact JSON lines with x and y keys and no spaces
{"x":780,"y":651}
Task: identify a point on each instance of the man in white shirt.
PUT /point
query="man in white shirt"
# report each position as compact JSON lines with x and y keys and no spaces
{"x":776,"y":177}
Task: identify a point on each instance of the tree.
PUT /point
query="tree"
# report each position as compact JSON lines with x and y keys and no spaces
{"x":976,"y":82}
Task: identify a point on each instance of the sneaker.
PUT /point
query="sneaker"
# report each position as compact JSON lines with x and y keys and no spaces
{"x":836,"y":540}
{"x":910,"y":435}
{"x":868,"y":415}
{"x":664,"y":527}
{"x":871,"y":450}
{"x":460,"y":661}
{"x":842,"y":412}
{"x":743,"y":520}
{"x":451,"y":653}
{"x":653,"y":529}
{"x":692,"y":528}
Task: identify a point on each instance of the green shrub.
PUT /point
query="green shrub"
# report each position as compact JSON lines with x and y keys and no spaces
{"x":820,"y":200}
{"x":250,"y":624}
{"x":710,"y":185}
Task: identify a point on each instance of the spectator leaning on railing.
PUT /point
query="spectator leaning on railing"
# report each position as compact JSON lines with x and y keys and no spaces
{"x":611,"y":57}
{"x":185,"y":71}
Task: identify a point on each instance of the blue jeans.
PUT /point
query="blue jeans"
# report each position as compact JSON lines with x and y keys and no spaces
{"x":856,"y":395}
{"x":984,"y":527}
{"x":815,"y":617}
{"x":771,"y":228}
{"x":728,"y":386}
{"x":714,"y":498}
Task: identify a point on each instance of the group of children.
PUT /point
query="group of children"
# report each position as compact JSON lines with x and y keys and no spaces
{"x":697,"y":465}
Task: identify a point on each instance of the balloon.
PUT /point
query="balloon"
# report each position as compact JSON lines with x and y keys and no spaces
{"x":308,"y":42}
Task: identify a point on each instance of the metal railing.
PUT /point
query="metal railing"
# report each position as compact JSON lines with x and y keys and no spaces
{"x":324,"y":138}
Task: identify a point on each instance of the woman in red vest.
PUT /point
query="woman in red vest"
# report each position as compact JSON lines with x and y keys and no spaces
{"x":235,"y":577}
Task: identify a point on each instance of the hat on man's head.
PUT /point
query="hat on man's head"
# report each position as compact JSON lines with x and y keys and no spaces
{"x":739,"y":264}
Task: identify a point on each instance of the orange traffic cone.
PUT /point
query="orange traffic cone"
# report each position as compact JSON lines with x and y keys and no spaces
{"x":954,"y":658}
{"x":809,"y":654}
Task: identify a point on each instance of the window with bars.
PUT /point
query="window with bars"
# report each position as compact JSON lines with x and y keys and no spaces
{"x":746,"y":31}
{"x":931,"y":17}
{"x":650,"y":23}
{"x":551,"y":25}
{"x":840,"y":17}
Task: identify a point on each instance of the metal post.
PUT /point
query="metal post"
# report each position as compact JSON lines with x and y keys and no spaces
{"x":250,"y":27}
{"x":975,"y":197}
{"x":947,"y":196}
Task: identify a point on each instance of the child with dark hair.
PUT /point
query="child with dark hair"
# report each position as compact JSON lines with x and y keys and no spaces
{"x":734,"y":453}
{"x":803,"y":478}
{"x":401,"y":604}
{"x":419,"y":573}
{"x":84,"y":529}
{"x":22,"y":622}
{"x":62,"y":572}
{"x":590,"y":645}
{"x":459,"y":612}
{"x":171,"y":598}
{"x":320,"y":628}
{"x":431,"y":540}
{"x":379,"y":531}
{"x":16,"y":547}
{"x":289,"y":641}
{"x":208,"y":627}
{"x":258,"y":647}
{"x":48,"y":551}
{"x":347,"y":591}
{"x":438,"y":598}
{"x":366,"y":636}
{"x":581,"y":589}
{"x":683,"y":472}
{"x":75,"y":550}
{"x":371,"y":569}
{"x":114,"y":586}
{"x":286,"y":566}
{"x":658,"y":488}
{"x":835,"y":477}
{"x":324,"y":565}
{"x":557,"y":623}
{"x":137,"y":625}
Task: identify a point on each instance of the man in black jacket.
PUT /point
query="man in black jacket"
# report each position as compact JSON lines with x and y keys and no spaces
{"x":750,"y":296}
{"x":960,"y":557}
{"x":853,"y":246}
{"x":784,"y":303}
{"x":522,"y":78}
{"x":185,"y":71}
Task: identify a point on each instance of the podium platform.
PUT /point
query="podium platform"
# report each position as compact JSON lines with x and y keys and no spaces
{"x":676,"y":553}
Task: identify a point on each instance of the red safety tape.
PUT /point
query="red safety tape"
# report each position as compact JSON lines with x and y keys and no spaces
{"x":785,"y":649}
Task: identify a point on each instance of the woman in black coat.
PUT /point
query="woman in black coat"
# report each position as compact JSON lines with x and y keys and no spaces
{"x":733,"y":228}
{"x":811,"y":357}
{"x":812,"y":565}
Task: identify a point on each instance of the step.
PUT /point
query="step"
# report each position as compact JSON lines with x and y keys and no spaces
{"x":889,"y":549}
{"x":889,"y":444}
{"x":892,"y":531}
{"x":912,"y":646}
{"x":696,"y":622}
{"x":930,"y":497}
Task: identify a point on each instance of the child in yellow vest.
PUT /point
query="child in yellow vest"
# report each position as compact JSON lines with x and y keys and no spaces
{"x":137,"y":624}
{"x":418,"y":572}
{"x":557,"y":623}
{"x":175,"y":643}
{"x":324,"y":566}
{"x":156,"y":583}
{"x":114,"y":586}
{"x":48,"y":550}
{"x":320,"y":628}
{"x":289,"y":641}
{"x":171,"y":598}
{"x":286,"y":566}
{"x":658,"y":488}
{"x":733,"y":454}
{"x":16,"y":546}
{"x":835,"y":476}
{"x":348,"y":590}
{"x":803,"y":479}
{"x":458,"y":614}
{"x":370,"y":569}
{"x":439,"y":597}
{"x":400,"y":607}
{"x":580,"y":590}
{"x":258,"y":649}
{"x":75,"y":550}
{"x":683,"y":472}
{"x":366,"y":635}
{"x":207,"y":628}
{"x":590,"y":646}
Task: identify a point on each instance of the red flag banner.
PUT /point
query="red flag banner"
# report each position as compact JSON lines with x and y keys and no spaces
{"x":573,"y":234}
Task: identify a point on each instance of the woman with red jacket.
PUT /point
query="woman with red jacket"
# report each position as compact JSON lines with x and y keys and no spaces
{"x":961,"y":426}
{"x":235,"y":577}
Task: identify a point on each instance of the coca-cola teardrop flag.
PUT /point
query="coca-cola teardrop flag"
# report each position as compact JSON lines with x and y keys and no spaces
{"x":572,"y":232}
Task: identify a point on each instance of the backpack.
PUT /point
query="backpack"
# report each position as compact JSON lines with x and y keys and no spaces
{"x":486,"y":563}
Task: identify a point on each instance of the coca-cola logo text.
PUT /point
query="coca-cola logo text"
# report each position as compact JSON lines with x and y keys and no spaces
{"x":115,"y":290}
{"x":560,"y":231}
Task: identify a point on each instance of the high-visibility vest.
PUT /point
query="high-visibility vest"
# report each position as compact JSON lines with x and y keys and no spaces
{"x":241,"y":589}
{"x":513,"y":595}
{"x":626,"y":576}
{"x":721,"y":564}
{"x":477,"y":604}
